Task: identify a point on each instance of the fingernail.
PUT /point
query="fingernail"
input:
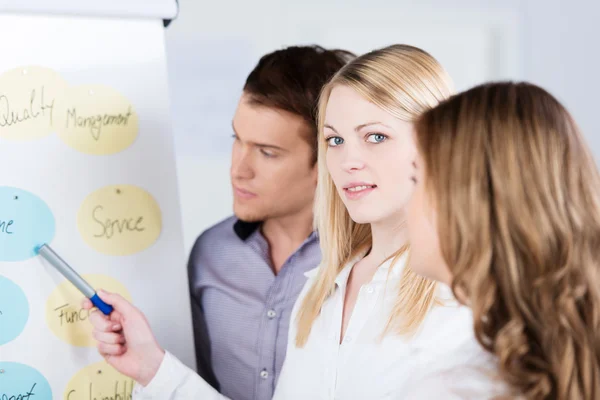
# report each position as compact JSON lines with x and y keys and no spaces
{"x":116,"y":327}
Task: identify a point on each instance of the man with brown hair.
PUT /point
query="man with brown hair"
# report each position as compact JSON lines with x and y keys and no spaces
{"x":247,"y":271}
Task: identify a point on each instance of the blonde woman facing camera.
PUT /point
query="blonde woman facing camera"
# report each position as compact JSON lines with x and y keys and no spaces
{"x":364,"y":320}
{"x":507,"y":210}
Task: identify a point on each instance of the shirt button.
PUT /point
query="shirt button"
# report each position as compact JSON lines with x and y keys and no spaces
{"x":271,"y":314}
{"x":348,"y":339}
{"x":369,"y":289}
{"x":264,"y":374}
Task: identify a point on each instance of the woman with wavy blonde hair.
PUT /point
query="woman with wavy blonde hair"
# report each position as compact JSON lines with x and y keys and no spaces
{"x":508,"y":189}
{"x":364,"y":320}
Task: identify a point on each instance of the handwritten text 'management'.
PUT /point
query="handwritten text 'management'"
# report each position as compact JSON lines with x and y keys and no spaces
{"x":95,"y":123}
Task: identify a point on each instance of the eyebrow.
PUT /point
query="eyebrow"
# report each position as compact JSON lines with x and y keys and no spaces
{"x":361,"y":126}
{"x":261,"y":145}
{"x":330,"y":127}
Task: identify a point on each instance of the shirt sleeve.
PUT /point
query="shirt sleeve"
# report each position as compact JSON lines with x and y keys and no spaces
{"x":201,"y":337}
{"x":175,"y":381}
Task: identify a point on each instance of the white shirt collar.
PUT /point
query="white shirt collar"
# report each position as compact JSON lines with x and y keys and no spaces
{"x":382,"y":273}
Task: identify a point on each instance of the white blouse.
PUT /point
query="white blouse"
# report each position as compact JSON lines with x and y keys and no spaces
{"x":468,"y":373}
{"x":365,"y":366}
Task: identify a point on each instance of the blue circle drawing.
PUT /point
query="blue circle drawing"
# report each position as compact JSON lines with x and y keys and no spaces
{"x":26,"y":223}
{"x":19,"y":381}
{"x":14,"y":310}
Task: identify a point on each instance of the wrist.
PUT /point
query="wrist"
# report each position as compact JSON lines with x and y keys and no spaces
{"x":151,"y":366}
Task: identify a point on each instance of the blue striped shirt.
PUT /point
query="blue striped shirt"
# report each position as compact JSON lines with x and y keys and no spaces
{"x":241,"y":309}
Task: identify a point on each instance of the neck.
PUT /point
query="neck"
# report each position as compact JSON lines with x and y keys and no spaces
{"x":446,"y":278}
{"x":286,"y":234}
{"x":388,"y":237}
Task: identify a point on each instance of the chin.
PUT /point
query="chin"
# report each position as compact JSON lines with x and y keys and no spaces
{"x":248,"y":214}
{"x":363,"y":217}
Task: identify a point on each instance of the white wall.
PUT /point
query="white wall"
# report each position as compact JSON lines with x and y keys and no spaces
{"x":211,"y":49}
{"x":562,"y":54}
{"x":104,"y":8}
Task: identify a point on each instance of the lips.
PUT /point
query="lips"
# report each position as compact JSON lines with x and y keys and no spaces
{"x":243,"y":193}
{"x":357,"y":190}
{"x":360,"y":187}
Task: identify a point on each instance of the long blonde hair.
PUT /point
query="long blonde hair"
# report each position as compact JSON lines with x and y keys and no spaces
{"x":404,"y":81}
{"x":517,"y":194}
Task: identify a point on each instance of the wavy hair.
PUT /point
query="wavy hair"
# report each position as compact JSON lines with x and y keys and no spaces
{"x":517,"y":194}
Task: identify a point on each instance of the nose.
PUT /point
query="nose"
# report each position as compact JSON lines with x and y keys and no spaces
{"x":241,"y":162}
{"x":352,"y":159}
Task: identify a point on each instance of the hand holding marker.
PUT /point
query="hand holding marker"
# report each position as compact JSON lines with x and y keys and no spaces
{"x":54,"y":259}
{"x":132,"y":351}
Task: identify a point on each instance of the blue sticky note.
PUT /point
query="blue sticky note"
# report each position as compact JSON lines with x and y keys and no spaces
{"x":26,"y":222}
{"x":14,"y":310}
{"x":19,"y":381}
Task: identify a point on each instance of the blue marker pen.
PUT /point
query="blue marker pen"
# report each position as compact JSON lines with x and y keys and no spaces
{"x":68,"y":272}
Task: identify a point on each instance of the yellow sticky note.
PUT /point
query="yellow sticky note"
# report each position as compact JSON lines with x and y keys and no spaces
{"x":28,"y":102}
{"x":119,"y":220}
{"x":65,"y":316}
{"x":99,"y":381}
{"x":95,"y":119}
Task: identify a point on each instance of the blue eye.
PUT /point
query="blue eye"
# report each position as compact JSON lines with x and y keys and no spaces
{"x":376,"y":138}
{"x":334,"y":141}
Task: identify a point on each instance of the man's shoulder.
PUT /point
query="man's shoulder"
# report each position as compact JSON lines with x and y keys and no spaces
{"x":219,"y":231}
{"x":211,"y":243}
{"x":216,"y":236}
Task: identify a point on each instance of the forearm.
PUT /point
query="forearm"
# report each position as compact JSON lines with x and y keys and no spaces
{"x":175,"y":381}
